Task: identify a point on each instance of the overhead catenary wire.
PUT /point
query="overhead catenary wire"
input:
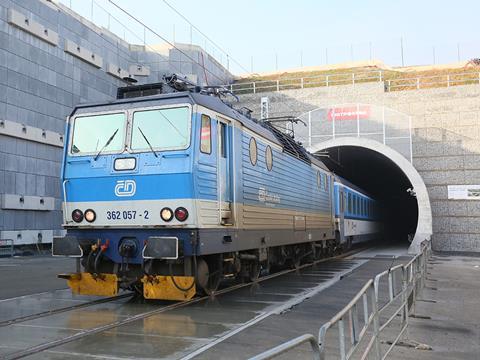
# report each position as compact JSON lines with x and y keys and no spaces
{"x":161,"y":37}
{"x":173,"y":45}
{"x":205,"y":36}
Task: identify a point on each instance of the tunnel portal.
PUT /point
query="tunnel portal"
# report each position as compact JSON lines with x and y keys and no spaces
{"x":371,"y":147}
{"x":389,"y":178}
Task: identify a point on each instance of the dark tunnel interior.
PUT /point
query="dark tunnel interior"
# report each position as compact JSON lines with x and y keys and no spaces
{"x":383,"y":180}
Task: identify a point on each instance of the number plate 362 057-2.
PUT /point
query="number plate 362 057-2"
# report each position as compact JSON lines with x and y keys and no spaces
{"x":127,"y":215}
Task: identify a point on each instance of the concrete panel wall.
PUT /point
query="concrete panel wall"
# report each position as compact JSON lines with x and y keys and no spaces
{"x":446,"y":144}
{"x":50,"y":60}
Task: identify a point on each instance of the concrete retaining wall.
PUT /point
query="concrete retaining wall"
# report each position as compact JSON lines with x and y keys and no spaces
{"x":50,"y":60}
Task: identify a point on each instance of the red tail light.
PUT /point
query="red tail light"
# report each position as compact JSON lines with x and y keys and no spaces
{"x":77,"y":215}
{"x":181,"y":214}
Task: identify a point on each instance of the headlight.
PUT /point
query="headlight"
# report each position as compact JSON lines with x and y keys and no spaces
{"x":77,"y":215}
{"x":125,"y":164}
{"x":181,"y":214}
{"x":166,"y":214}
{"x":90,"y":215}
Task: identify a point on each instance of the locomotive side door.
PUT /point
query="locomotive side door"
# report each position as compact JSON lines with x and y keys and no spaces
{"x":225,"y":171}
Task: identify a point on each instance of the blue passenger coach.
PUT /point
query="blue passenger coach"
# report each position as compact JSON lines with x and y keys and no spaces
{"x":357,"y":215}
{"x":170,"y":193}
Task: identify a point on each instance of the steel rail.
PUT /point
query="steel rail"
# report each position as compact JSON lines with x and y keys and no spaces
{"x":87,"y":332}
{"x":62,"y":310}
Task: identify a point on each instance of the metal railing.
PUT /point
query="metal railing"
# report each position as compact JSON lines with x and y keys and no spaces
{"x":289,"y":345}
{"x":432,"y":81}
{"x":392,"y":84}
{"x":6,"y":248}
{"x":380,"y":302}
{"x":306,"y":82}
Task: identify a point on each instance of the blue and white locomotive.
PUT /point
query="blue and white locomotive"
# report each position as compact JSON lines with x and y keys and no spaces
{"x":170,"y":193}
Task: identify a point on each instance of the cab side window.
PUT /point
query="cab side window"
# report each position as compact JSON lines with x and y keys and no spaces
{"x":223,"y":143}
{"x":206,"y":135}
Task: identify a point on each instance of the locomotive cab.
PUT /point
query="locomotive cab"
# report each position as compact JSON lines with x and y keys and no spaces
{"x":137,"y":184}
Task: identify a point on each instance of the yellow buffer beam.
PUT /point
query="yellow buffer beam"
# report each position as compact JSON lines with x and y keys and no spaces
{"x":179,"y":288}
{"x":92,"y":284}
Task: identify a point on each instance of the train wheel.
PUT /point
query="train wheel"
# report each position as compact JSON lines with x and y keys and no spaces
{"x":296,"y":257}
{"x":209,"y":275}
{"x":252,"y":271}
{"x":349,"y":242}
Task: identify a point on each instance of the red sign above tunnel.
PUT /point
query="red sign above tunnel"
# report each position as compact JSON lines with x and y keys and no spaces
{"x":349,"y":113}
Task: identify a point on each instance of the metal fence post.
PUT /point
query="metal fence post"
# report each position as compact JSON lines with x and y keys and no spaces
{"x":418,"y":83}
{"x":326,"y":79}
{"x":389,"y":85}
{"x":448,"y":80}
{"x":254,"y":90}
{"x":380,"y":76}
{"x":278,"y":85}
{"x":376,"y":325}
{"x":353,"y":78}
{"x":414,"y":285}
{"x":341,"y":338}
{"x":405,"y":299}
{"x":301,"y":83}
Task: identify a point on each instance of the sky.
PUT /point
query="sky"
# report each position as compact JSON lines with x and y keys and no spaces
{"x":267,"y":35}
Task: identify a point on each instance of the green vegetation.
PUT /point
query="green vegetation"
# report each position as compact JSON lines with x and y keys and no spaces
{"x":394,"y":80}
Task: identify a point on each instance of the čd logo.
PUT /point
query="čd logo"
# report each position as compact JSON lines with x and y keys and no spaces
{"x":125,"y":188}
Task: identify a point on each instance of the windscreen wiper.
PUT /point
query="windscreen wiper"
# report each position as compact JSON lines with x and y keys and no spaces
{"x":148,"y":142}
{"x":106,"y":144}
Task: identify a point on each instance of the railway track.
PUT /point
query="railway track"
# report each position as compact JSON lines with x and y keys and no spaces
{"x":133,"y":318}
{"x":41,"y":314}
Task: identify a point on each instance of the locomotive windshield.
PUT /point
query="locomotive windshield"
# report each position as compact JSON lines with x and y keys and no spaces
{"x":91,"y":134}
{"x":157,"y":130}
{"x":161,"y":128}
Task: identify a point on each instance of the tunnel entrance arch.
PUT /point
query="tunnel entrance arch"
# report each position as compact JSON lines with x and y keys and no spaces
{"x":355,"y":139}
{"x":424,"y":215}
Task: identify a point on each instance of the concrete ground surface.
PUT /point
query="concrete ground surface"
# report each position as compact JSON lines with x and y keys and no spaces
{"x":185,"y":332}
{"x":306,"y":317}
{"x":453,"y":330}
{"x":27,"y":275}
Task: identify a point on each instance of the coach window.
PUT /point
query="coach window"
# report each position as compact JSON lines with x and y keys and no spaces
{"x":253,"y":151}
{"x":206,"y":135}
{"x":350,"y":203}
{"x":269,"y":158}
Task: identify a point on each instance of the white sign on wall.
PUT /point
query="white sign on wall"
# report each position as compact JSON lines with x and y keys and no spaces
{"x":464,"y":192}
{"x":264,"y":108}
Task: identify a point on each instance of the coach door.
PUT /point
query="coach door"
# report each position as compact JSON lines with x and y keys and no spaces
{"x":225,"y":169}
{"x":341,"y":213}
